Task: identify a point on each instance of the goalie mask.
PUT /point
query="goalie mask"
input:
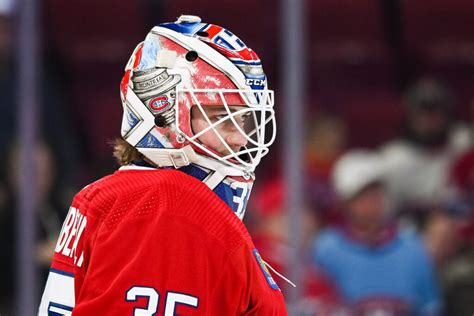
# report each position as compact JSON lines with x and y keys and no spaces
{"x":188,"y":70}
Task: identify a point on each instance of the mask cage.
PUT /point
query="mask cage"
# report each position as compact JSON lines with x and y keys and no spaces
{"x":249,"y":113}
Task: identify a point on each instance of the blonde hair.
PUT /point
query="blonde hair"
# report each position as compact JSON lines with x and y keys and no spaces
{"x":125,"y":153}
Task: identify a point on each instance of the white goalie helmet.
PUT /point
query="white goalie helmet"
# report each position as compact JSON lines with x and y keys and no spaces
{"x":188,"y":64}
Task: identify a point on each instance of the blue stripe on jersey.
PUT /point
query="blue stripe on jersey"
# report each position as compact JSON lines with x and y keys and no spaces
{"x":195,"y":172}
{"x":69,"y":274}
{"x":61,"y":306}
{"x":55,"y":309}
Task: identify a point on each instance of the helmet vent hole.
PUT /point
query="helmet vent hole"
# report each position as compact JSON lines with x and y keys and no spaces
{"x":202,"y":34}
{"x":160,"y":120}
{"x":191,"y":56}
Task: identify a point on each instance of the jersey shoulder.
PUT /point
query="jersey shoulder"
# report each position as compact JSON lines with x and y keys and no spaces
{"x":130,"y":185}
{"x":112,"y":198}
{"x":196,"y":203}
{"x":160,"y":193}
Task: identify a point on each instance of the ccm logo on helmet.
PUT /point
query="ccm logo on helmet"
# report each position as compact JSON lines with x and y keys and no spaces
{"x":159,"y":103}
{"x":255,"y":82}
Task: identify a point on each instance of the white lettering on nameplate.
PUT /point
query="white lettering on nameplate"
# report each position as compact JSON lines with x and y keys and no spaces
{"x":70,"y":235}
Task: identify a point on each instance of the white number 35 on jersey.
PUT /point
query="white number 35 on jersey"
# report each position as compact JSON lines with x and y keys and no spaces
{"x":172,"y":299}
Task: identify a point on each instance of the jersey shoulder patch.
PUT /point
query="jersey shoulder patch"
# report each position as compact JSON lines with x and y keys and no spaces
{"x":265,"y":271}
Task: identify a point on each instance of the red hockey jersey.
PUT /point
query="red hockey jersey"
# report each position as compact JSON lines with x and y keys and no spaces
{"x":156,"y":242}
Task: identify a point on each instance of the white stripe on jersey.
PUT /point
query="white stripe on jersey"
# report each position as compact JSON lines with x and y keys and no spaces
{"x":58,"y":294}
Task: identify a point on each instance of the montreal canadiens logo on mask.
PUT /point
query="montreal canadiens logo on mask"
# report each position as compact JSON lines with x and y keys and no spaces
{"x":159,"y":103}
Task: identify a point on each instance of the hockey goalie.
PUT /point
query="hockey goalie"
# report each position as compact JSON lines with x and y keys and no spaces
{"x":163,"y":235}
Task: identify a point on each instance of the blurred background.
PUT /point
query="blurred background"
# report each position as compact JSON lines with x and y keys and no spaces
{"x":387,"y":165}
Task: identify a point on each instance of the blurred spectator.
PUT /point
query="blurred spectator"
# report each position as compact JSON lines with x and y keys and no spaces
{"x":325,"y":141}
{"x":463,"y":133}
{"x":269,"y":229}
{"x":48,"y":224}
{"x":378,"y":269}
{"x":54,"y":121}
{"x":457,"y":273}
{"x":56,"y":127}
{"x":440,"y":236}
{"x":461,"y":197}
{"x":270,"y":222}
{"x":419,"y":161}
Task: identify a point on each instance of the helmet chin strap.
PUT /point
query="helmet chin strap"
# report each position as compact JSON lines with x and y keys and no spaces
{"x":185,"y":156}
{"x":170,"y":157}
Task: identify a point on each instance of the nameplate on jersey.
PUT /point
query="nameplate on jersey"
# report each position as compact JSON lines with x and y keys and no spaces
{"x":70,"y":235}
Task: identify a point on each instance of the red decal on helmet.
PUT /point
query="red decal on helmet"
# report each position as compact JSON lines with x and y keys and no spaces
{"x":128,"y":73}
{"x":124,"y":83}
{"x":213,"y":30}
{"x":138,"y":56}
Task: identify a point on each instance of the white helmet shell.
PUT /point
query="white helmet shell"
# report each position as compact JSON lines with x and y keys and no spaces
{"x":189,"y":64}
